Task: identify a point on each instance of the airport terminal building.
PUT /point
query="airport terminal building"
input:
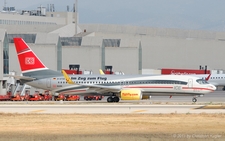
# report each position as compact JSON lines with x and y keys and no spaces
{"x":59,"y":40}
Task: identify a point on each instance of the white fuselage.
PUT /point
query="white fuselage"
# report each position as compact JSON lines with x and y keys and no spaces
{"x":166,"y":84}
{"x":215,"y":79}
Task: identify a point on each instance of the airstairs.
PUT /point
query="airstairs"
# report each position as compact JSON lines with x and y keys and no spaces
{"x":19,"y":89}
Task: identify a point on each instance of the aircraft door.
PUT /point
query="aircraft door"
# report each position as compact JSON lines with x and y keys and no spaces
{"x":48,"y":83}
{"x":190,"y":83}
{"x":124,"y":83}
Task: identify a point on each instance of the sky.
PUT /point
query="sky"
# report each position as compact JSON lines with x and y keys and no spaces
{"x":181,"y":14}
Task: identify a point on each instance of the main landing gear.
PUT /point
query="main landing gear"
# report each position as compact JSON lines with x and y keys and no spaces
{"x":113,"y":98}
{"x":194,"y":99}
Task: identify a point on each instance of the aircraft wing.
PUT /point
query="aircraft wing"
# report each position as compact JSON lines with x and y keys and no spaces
{"x":102,"y":88}
{"x":101,"y":72}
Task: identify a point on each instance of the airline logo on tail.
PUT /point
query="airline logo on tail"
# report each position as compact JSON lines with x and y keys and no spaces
{"x":27,"y":58}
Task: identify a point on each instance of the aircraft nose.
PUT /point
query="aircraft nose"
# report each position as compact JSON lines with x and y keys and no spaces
{"x":213,"y":87}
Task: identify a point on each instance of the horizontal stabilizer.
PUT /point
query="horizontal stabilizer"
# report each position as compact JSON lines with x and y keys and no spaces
{"x":20,"y":77}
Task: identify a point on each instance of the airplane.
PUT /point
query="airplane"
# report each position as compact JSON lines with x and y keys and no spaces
{"x":138,"y":87}
{"x":215,"y":79}
{"x":130,"y":87}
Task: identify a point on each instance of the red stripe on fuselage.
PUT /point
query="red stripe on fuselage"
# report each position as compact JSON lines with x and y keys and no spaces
{"x":169,"y":87}
{"x":197,"y":88}
{"x":148,"y":87}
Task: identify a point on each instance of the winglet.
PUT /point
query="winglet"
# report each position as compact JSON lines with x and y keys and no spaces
{"x":207,"y":78}
{"x":101,"y":72}
{"x":68,"y":80}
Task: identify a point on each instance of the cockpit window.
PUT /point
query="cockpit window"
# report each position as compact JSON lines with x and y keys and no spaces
{"x":202,"y":81}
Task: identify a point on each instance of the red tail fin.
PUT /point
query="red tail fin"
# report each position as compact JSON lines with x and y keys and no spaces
{"x":27,"y":58}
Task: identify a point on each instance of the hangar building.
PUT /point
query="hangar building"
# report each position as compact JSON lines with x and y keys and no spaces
{"x":59,"y":40}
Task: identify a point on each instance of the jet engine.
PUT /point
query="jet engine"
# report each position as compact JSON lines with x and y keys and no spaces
{"x":131,"y":94}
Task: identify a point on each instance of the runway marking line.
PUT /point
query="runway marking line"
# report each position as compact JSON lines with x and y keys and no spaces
{"x":36,"y":111}
{"x":139,"y":111}
{"x":212,"y":107}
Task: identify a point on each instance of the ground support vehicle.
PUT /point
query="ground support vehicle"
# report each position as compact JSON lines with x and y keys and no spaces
{"x":5,"y":97}
{"x":60,"y":97}
{"x":72,"y":98}
{"x":46,"y":96}
{"x":36,"y":97}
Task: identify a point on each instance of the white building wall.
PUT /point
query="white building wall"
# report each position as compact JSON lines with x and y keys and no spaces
{"x":21,"y":29}
{"x":91,"y":41}
{"x":1,"y":62}
{"x":59,"y":20}
{"x":161,"y":48}
{"x":89,"y":58}
{"x":123,"y":59}
{"x":161,"y":52}
{"x":16,"y":23}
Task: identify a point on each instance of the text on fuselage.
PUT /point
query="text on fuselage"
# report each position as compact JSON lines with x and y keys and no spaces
{"x":89,"y":78}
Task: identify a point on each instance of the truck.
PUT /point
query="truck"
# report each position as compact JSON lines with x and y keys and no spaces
{"x":72,"y":97}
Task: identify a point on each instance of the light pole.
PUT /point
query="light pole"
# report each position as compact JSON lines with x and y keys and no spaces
{"x":75,"y":12}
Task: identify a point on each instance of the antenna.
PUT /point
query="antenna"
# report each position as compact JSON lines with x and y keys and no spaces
{"x":5,"y":3}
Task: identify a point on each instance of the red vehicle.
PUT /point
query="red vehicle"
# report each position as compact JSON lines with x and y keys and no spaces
{"x":72,"y":98}
{"x":46,"y":96}
{"x":16,"y":98}
{"x":60,"y":97}
{"x":93,"y":97}
{"x":26,"y":97}
{"x":36,"y":97}
{"x":5,"y":97}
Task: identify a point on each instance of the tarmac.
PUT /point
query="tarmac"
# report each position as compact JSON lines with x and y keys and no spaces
{"x":111,"y":109}
{"x":210,"y":103}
